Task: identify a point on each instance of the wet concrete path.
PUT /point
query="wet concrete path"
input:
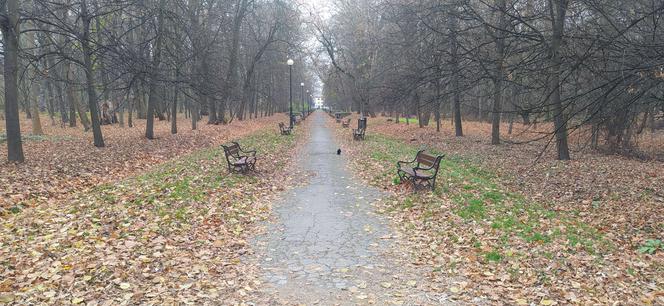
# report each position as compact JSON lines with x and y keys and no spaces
{"x":326,"y":246}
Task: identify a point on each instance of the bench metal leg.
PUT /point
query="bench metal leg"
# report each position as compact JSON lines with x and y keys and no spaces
{"x":402,"y":176}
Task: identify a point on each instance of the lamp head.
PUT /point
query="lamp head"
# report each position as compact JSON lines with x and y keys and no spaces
{"x":290,"y":62}
{"x":302,"y":84}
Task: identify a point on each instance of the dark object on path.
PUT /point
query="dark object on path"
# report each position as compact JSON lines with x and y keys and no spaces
{"x":238,"y":160}
{"x":345,"y":123}
{"x":425,"y":171}
{"x":338,"y":151}
{"x":285,"y":130}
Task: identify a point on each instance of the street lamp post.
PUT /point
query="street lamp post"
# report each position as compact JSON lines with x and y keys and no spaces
{"x":290,"y":63}
{"x":308,"y":103}
{"x":302,"y":97}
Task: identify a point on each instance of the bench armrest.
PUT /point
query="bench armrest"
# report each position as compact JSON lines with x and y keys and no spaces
{"x":252,"y":152}
{"x":399,"y":163}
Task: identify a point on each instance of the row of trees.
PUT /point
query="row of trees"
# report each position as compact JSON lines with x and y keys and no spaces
{"x":581,"y":64}
{"x":108,"y":61}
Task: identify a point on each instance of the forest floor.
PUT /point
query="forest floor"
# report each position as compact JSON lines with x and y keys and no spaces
{"x":157,"y":222}
{"x":162,"y":222}
{"x":523,"y":230}
{"x":64,"y":159}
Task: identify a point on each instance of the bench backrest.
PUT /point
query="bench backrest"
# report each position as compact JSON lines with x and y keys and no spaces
{"x":362,"y":123}
{"x":428,"y":160}
{"x":232,"y":150}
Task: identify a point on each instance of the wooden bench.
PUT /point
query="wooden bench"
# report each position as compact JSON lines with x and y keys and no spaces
{"x":424,"y":172}
{"x":345,"y":123}
{"x":358,"y":134}
{"x":239,"y":160}
{"x":285,"y":130}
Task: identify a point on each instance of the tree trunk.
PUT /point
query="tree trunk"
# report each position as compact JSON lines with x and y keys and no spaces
{"x":174,"y":107}
{"x":499,"y":74}
{"x":89,"y":77}
{"x":62,"y":106}
{"x":458,"y":129}
{"x":194,"y":114}
{"x":526,"y":117}
{"x":211,"y":101}
{"x":595,"y":136}
{"x":36,"y":120}
{"x":154,"y":70}
{"x":74,"y":101}
{"x":558,"y":11}
{"x":437,"y":105}
{"x":32,"y":98}
{"x":651,"y":120}
{"x":232,"y":66}
{"x":10,"y":35}
{"x":50,"y":100}
{"x":121,"y":120}
{"x":130,"y":108}
{"x":72,"y":106}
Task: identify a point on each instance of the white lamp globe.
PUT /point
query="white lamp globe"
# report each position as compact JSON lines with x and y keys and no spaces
{"x":290,"y":62}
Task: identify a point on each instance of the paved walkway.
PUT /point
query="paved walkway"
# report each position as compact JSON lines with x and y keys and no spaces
{"x":326,"y":245}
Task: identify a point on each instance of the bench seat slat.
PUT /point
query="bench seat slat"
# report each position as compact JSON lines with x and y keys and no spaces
{"x":244,"y":160}
{"x":420,"y":174}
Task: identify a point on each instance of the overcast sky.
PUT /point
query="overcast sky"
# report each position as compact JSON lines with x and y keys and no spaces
{"x":321,"y":8}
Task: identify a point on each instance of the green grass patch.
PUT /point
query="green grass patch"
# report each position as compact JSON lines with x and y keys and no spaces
{"x":478,"y":199}
{"x":409,"y":121}
{"x":493,"y":256}
{"x":179,"y":190}
{"x":37,"y":138}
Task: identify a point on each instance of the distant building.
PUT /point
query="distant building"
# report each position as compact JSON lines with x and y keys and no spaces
{"x":318,"y":102}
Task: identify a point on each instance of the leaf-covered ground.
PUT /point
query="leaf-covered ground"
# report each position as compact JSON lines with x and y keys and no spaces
{"x":522,"y":232}
{"x":64,"y":160}
{"x":172,"y":235}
